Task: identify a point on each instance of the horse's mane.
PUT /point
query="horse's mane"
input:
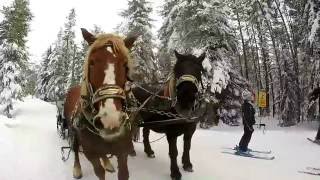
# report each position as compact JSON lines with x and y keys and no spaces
{"x":119,"y":48}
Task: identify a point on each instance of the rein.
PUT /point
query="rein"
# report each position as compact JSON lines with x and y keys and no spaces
{"x":114,"y":91}
{"x":175,"y":118}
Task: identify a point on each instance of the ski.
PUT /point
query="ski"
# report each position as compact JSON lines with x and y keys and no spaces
{"x":250,"y":150}
{"x":310,"y":172}
{"x":250,"y":155}
{"x":316,"y":142}
{"x":313,"y":168}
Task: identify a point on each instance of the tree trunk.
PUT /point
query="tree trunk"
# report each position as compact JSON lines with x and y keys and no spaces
{"x":265,"y":60}
{"x":253,"y":59}
{"x":243,"y":47}
{"x":293,"y":50}
{"x":272,"y":95}
{"x":258,"y":59}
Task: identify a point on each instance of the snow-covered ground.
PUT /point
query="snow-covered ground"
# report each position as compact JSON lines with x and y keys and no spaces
{"x":30,"y":150}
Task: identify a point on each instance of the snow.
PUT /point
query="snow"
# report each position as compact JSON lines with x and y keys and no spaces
{"x":314,"y":28}
{"x":30,"y":150}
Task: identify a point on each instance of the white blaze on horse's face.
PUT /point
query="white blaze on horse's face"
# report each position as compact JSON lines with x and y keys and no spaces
{"x":110,"y":116}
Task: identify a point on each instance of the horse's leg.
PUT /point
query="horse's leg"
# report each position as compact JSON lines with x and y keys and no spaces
{"x":98,"y":169}
{"x":187,"y":166}
{"x":123,"y":173}
{"x":132,"y":151}
{"x":173,"y":153}
{"x":146,"y":143}
{"x":106,"y":164}
{"x":77,"y":173}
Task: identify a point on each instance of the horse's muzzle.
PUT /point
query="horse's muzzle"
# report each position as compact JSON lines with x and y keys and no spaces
{"x":115,"y":134}
{"x":186,"y":112}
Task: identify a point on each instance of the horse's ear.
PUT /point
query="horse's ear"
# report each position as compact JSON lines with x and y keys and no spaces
{"x":88,"y":36}
{"x":202,"y":57}
{"x":178,"y":56}
{"x":129,"y":40}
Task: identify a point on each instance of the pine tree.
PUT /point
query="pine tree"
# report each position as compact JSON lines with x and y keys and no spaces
{"x":56,"y":69}
{"x":61,"y":71}
{"x":31,"y":75}
{"x":168,"y":13}
{"x":44,"y":76}
{"x":13,"y":52}
{"x":138,"y":21}
{"x":69,"y":50}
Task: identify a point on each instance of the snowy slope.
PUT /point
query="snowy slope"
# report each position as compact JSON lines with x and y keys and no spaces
{"x":30,"y":150}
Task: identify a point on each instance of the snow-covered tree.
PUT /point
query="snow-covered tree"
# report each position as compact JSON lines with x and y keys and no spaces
{"x":62,"y":61}
{"x":31,"y":75}
{"x":166,"y":58}
{"x":57,"y":83}
{"x":69,"y":49}
{"x":15,"y":26}
{"x":138,"y":21}
{"x":13,"y":52}
{"x":44,"y":75}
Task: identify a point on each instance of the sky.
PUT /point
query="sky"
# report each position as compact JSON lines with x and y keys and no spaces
{"x":50,"y":16}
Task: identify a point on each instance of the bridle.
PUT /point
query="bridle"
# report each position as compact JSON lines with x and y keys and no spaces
{"x":188,"y":78}
{"x":193,"y":80}
{"x":106,"y":91}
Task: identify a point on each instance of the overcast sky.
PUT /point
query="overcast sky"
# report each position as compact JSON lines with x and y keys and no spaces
{"x":50,"y":15}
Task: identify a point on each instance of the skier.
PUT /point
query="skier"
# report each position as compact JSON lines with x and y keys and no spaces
{"x":314,"y":95}
{"x":248,"y":121}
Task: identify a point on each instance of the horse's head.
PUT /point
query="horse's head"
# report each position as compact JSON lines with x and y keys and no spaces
{"x":187,"y":72}
{"x":106,"y":71}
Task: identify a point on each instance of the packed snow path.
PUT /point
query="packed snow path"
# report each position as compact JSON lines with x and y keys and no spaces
{"x":30,"y":150}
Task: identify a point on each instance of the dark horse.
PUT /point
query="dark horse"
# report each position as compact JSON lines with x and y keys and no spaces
{"x":95,"y":109}
{"x":184,"y":86}
{"x":314,"y":95}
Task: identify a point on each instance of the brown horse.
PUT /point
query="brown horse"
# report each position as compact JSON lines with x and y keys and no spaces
{"x":95,"y":109}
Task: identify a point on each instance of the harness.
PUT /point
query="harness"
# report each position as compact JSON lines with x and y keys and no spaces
{"x":169,"y":95}
{"x":188,"y":78}
{"x":86,"y":114}
{"x":113,"y":91}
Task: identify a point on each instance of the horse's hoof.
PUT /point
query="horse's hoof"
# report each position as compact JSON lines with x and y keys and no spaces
{"x":176,"y":178}
{"x":188,"y":169}
{"x":110,"y":169}
{"x":77,"y":175}
{"x":151,"y":156}
{"x":107,"y":165}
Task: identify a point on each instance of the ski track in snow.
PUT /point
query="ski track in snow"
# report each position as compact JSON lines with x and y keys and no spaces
{"x":30,"y":150}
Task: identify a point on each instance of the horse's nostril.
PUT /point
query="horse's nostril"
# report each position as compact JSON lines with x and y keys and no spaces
{"x":97,"y":123}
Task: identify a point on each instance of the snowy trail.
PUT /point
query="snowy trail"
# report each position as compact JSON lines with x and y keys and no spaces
{"x":30,"y":150}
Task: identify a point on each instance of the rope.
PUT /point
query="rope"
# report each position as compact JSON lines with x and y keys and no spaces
{"x":153,"y":140}
{"x":152,"y":93}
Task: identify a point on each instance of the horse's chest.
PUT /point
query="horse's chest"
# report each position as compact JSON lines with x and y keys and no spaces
{"x":94,"y":144}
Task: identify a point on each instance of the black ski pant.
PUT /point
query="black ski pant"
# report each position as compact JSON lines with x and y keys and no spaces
{"x":318,"y":133}
{"x":243,"y":145}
